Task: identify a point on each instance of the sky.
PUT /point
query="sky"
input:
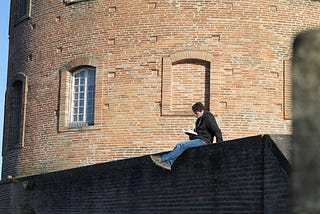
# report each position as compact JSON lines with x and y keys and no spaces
{"x":4,"y":28}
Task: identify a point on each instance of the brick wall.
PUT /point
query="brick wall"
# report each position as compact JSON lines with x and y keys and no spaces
{"x":135,"y":45}
{"x":248,"y":175}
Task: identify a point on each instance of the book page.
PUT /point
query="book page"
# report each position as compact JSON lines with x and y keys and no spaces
{"x":189,"y":132}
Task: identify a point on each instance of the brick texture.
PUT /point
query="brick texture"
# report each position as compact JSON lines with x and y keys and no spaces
{"x":238,"y":49}
{"x":248,"y":175}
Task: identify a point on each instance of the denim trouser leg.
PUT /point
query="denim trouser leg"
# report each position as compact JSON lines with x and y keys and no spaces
{"x":180,"y":148}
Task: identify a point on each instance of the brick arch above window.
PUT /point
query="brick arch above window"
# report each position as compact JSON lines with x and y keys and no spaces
{"x":65,"y":91}
{"x":186,"y":80}
{"x":191,"y":55}
{"x":81,"y":61}
{"x":18,"y":76}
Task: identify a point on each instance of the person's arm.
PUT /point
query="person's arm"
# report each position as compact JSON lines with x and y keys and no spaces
{"x":215,"y":129}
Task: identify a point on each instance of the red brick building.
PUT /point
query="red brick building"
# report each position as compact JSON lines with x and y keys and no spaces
{"x":92,"y":81}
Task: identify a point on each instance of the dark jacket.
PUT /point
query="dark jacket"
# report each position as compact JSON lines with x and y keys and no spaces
{"x":207,"y":128}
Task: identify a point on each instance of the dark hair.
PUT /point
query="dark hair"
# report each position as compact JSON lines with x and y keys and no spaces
{"x":197,"y":107}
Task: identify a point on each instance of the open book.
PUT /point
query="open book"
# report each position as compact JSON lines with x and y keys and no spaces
{"x":189,"y":132}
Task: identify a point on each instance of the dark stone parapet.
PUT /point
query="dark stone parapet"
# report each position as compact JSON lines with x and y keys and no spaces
{"x":238,"y":176}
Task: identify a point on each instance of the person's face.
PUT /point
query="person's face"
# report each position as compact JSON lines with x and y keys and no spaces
{"x":198,"y":114}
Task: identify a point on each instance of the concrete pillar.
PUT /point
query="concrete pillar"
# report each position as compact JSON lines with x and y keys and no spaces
{"x":306,"y":123}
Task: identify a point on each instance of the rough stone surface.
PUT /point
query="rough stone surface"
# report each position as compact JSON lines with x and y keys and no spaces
{"x":306,"y":122}
{"x":284,"y":143}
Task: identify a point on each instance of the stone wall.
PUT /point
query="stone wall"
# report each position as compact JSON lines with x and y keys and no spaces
{"x":248,"y":175}
{"x":306,"y":123}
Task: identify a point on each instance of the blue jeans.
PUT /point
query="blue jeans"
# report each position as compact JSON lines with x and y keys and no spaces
{"x":180,"y":148}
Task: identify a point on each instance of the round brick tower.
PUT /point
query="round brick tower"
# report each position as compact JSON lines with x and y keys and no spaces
{"x":91,"y":81}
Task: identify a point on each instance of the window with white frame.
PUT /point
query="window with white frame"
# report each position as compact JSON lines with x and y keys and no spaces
{"x":83,"y":81}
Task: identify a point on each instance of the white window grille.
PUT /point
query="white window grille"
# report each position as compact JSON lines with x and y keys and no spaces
{"x":82,"y":103}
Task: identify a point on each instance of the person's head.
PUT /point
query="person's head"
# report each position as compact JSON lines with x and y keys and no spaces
{"x":198,"y":109}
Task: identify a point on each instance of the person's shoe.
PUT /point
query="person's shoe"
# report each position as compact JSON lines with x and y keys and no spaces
{"x":158,"y":161}
{"x":164,"y":165}
{"x":156,"y":158}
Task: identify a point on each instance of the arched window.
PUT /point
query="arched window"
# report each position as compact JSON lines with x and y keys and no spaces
{"x":23,"y":10}
{"x":83,"y":82}
{"x":79,"y":95}
{"x":16,"y":112}
{"x":185,"y":80}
